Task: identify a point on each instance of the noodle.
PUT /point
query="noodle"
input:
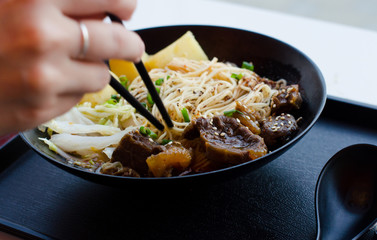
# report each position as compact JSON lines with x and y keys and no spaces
{"x":205,"y":89}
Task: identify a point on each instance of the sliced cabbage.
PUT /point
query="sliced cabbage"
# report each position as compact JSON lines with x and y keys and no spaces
{"x":73,"y":128}
{"x":106,"y":111}
{"x":84,"y":145}
{"x":109,"y":151}
{"x":74,"y":116}
{"x":53,"y":147}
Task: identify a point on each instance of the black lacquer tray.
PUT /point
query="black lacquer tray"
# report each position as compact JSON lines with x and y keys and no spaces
{"x":41,"y":201}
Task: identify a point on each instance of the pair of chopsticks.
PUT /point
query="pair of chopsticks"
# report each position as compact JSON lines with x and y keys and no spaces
{"x":151,"y":89}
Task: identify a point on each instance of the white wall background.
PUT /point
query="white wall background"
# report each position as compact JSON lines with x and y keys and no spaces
{"x":358,"y":13}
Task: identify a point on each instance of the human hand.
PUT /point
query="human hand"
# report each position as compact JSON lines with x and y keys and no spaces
{"x":41,"y":73}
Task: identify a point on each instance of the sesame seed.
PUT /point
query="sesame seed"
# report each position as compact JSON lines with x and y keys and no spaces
{"x":238,"y":120}
{"x":214,"y":128}
{"x":282,"y":118}
{"x":248,"y":117}
{"x":288,"y":115}
{"x":275,"y":124}
{"x":216,"y":133}
{"x":222,"y":134}
{"x":290,"y":122}
{"x":151,"y":140}
{"x":274,"y":106}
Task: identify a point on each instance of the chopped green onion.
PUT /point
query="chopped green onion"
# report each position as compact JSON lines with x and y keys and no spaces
{"x":149,"y":96}
{"x":145,"y":105}
{"x":185,"y":115}
{"x":116,"y":97}
{"x":143,"y":130}
{"x":112,"y":101}
{"x":237,"y":76}
{"x":165,"y":141}
{"x":167,"y":78}
{"x":152,"y":134}
{"x":50,"y":131}
{"x":149,"y":99}
{"x":248,"y":65}
{"x":147,"y":132}
{"x":123,"y":80}
{"x":231,"y":112}
{"x":159,"y":81}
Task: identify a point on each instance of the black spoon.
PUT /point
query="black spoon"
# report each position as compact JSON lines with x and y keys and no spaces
{"x":346,"y":194}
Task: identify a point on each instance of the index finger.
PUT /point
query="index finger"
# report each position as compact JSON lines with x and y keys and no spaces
{"x":121,"y":8}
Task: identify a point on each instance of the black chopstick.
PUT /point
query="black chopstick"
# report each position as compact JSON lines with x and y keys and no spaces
{"x":153,"y":92}
{"x":134,"y":102}
{"x":148,"y":82}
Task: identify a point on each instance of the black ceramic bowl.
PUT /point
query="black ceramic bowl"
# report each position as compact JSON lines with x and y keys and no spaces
{"x":272,"y":58}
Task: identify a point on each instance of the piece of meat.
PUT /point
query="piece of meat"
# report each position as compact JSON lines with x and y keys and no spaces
{"x":225,"y":140}
{"x":277,"y":130}
{"x":287,"y":99}
{"x":134,"y":149}
{"x":271,"y":83}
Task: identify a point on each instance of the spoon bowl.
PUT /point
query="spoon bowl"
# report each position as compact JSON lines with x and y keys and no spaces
{"x":346,"y":193}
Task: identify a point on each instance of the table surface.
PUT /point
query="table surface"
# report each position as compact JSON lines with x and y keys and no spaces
{"x":346,"y":55}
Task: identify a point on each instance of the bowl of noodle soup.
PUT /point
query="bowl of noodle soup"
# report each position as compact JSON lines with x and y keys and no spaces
{"x":187,"y":86}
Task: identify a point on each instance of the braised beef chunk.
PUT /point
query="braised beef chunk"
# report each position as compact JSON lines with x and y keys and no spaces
{"x":134,"y":149}
{"x":117,"y":169}
{"x":225,"y":140}
{"x":271,"y":83}
{"x":277,"y":130}
{"x":288,"y":98}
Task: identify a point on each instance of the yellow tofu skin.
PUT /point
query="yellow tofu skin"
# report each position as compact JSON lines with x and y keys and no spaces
{"x":186,"y":46}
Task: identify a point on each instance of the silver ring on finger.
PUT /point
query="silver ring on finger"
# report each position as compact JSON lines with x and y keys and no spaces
{"x":84,"y":41}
